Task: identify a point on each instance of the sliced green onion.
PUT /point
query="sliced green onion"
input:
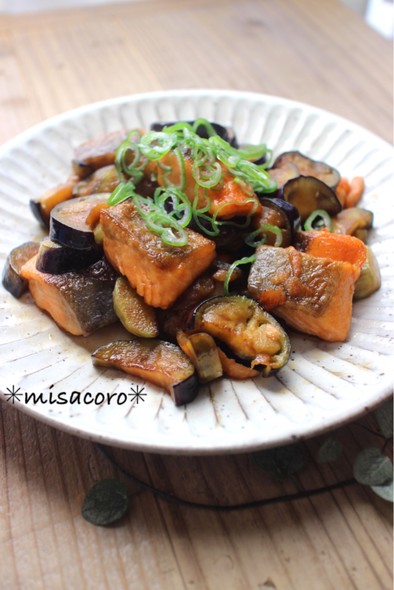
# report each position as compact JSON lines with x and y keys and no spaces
{"x":168,"y":169}
{"x":174,"y":236}
{"x":144,"y":205}
{"x":218,"y":209}
{"x":180,"y":209}
{"x":207,"y":175}
{"x":155,"y":144}
{"x":124,"y":190}
{"x":318,"y":219}
{"x":204,"y":123}
{"x":179,"y":126}
{"x":167,"y":228}
{"x":262,"y":232}
{"x":170,"y":211}
{"x":210,"y":228}
{"x":233,"y":266}
{"x":157,"y":221}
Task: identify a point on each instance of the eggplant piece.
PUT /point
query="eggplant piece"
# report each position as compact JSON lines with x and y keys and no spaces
{"x":309,"y":167}
{"x":286,"y":172}
{"x":68,"y":224}
{"x":135,"y":315}
{"x":369,"y":280}
{"x":351,"y":220}
{"x":56,"y":259}
{"x":231,"y":238}
{"x":103,"y":180}
{"x":97,"y":153}
{"x":79,"y":302}
{"x":43,"y":205}
{"x":308,"y":193}
{"x":282,"y":214}
{"x":234,"y":369}
{"x":226,"y":133}
{"x":201,"y":349}
{"x":245,"y":331}
{"x":159,"y":362}
{"x":178,"y":316}
{"x":11,"y":278}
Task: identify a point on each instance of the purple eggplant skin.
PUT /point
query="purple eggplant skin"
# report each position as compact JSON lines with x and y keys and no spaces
{"x":226,"y":133}
{"x":11,"y":279}
{"x":68,"y":225}
{"x":185,"y":391}
{"x":56,"y":259}
{"x":308,"y":167}
{"x":36,"y":209}
{"x":286,"y":172}
{"x":287,"y":216}
{"x":157,"y":361}
{"x":308,"y":193}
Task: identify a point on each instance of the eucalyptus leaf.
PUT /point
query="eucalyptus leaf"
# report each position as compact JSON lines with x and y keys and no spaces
{"x":281,"y":461}
{"x":372,"y":468}
{"x":385,"y":491}
{"x":329,"y":451}
{"x":106,"y":502}
{"x":384,"y":418}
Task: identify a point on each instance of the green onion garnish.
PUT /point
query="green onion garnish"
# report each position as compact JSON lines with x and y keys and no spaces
{"x":233,"y":266}
{"x":208,"y":157}
{"x":260,"y":235}
{"x":124,"y":190}
{"x":318,"y":219}
{"x":156,"y":144}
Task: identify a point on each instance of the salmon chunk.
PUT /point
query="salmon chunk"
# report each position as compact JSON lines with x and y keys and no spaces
{"x":312,"y":294}
{"x":158,"y":272}
{"x":229,"y":199}
{"x":79,"y":302}
{"x":325,"y":244}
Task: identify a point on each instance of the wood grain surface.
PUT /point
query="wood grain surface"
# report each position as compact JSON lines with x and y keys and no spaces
{"x":317,"y":52}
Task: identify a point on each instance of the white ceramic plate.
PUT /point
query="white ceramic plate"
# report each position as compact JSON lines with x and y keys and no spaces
{"x":322,"y":386}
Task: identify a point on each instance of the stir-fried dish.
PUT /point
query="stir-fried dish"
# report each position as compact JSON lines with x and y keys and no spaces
{"x":205,"y":250}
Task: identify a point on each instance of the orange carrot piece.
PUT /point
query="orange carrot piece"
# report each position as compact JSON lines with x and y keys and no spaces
{"x":357,"y":187}
{"x":342,"y":190}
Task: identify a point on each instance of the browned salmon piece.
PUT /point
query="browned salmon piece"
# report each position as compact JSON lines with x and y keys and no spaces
{"x":228,"y":200}
{"x":312,"y":294}
{"x":326,"y":244}
{"x":159,"y":273}
{"x":79,"y":302}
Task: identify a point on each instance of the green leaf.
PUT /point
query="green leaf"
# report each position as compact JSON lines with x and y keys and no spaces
{"x":372,"y":468}
{"x":384,"y":418}
{"x":385,"y":491}
{"x":281,"y":461}
{"x":329,"y":451}
{"x":106,"y":502}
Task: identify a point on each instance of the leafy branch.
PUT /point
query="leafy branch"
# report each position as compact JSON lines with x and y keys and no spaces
{"x":108,"y":500}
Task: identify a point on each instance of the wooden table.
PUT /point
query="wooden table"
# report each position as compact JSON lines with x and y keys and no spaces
{"x":317,"y":52}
